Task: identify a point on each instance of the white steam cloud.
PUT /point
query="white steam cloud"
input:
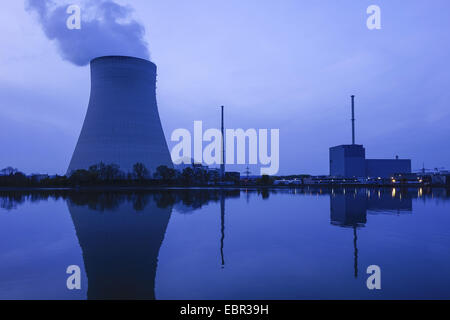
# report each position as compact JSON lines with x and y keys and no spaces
{"x":107,"y":28}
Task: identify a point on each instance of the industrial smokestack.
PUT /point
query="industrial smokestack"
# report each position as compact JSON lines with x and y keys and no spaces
{"x":122,"y":124}
{"x":353,"y":119}
{"x":222,"y":163}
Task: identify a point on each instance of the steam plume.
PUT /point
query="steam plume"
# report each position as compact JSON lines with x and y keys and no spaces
{"x":107,"y":28}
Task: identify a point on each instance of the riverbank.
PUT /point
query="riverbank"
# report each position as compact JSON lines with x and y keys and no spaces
{"x":227,"y":187}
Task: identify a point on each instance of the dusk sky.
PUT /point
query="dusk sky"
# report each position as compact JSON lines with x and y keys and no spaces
{"x":290,"y":65}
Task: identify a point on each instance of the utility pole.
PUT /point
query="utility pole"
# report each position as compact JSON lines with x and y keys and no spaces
{"x":247,"y":172}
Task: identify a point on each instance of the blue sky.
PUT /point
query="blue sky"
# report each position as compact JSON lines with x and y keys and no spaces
{"x":286,"y":64}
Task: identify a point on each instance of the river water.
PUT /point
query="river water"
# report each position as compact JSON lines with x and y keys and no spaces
{"x":305,"y":243}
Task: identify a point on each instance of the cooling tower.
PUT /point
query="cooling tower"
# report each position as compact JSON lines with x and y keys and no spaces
{"x":122,"y":124}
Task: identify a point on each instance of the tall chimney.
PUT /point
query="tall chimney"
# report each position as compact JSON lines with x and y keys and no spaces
{"x":353,"y":119}
{"x":222,"y":163}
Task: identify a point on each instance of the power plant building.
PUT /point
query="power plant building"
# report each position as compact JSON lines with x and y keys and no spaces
{"x":386,"y":168}
{"x":122,"y":124}
{"x":350,"y":161}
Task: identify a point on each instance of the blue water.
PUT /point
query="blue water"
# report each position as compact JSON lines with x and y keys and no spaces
{"x":229,"y":244}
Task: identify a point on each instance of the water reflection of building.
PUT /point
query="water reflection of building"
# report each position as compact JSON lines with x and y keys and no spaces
{"x":350,"y":205}
{"x":349,"y":211}
{"x":392,"y":200}
{"x":120,"y":247}
{"x":349,"y":208}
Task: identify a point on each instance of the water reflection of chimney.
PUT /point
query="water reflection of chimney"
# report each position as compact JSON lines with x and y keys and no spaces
{"x":222,"y":225}
{"x":355,"y":250}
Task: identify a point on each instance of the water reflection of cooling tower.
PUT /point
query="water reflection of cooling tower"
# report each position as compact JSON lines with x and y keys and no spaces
{"x":122,"y":124}
{"x":120,"y":248}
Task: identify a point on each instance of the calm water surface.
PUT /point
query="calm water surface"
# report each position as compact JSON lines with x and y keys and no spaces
{"x":229,"y":244}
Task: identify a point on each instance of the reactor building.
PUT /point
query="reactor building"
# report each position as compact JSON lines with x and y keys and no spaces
{"x":122,"y":124}
{"x":349,"y":161}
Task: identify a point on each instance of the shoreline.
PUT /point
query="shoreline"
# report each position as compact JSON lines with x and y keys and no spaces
{"x":240,"y":187}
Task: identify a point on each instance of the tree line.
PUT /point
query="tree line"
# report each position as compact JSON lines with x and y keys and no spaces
{"x":111,"y":174}
{"x":101,"y":200}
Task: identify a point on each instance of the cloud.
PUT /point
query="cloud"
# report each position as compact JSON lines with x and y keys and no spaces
{"x":107,"y":28}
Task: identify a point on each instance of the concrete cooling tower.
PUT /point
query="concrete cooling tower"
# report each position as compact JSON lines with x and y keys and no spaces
{"x":122,"y":124}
